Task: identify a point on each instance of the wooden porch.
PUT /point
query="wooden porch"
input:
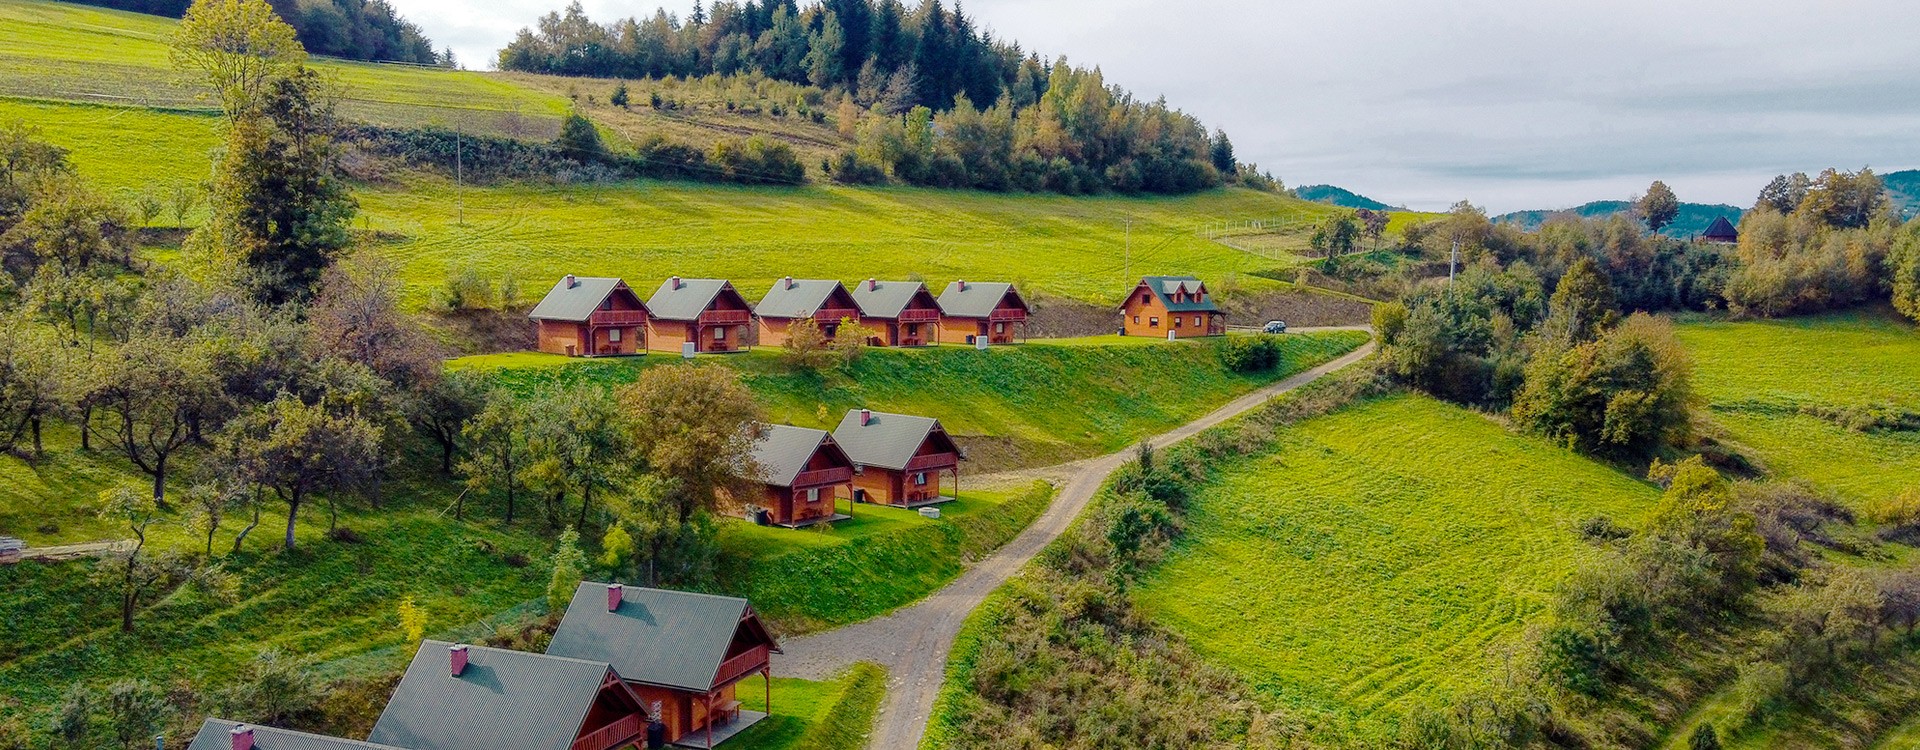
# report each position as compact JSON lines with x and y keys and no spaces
{"x":621,"y":733}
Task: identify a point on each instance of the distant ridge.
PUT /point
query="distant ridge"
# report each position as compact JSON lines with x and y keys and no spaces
{"x":1904,"y":188}
{"x":1693,"y":219}
{"x":1340,"y":196}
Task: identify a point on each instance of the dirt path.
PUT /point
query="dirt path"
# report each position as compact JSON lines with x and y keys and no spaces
{"x":74,"y":551}
{"x":912,"y":643}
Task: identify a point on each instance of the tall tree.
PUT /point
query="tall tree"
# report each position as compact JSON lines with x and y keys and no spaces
{"x":578,"y":445}
{"x":695,"y":429}
{"x":297,"y":449}
{"x":238,"y":46}
{"x":1903,"y":264}
{"x":1582,"y":306}
{"x":1221,"y":153}
{"x":131,"y":572}
{"x":443,"y":407}
{"x":1658,"y":207}
{"x":152,"y":391}
{"x":499,"y":452}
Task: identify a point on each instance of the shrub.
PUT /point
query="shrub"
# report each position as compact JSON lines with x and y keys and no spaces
{"x":466,"y":289}
{"x":1603,"y":529}
{"x":1251,"y":354}
{"x":580,"y":140}
{"x":1704,"y":738}
{"x":1896,"y":511}
{"x":849,"y":169}
{"x":1756,"y":686}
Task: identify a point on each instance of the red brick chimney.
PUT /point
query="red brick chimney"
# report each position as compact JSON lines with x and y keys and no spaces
{"x":457,"y":656}
{"x":872,"y":285}
{"x":572,"y":281}
{"x":674,"y":283}
{"x":788,"y":282}
{"x":242,"y":737}
{"x":613,"y":596}
{"x":962,"y":284}
{"x":866,"y":417}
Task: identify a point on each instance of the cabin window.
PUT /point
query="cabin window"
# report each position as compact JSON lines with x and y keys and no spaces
{"x":999,"y":328}
{"x":719,"y":334}
{"x":913,"y":329}
{"x":606,"y":304}
{"x":1196,"y":320}
{"x":813,"y":495}
{"x":920,"y":479}
{"x":1146,"y":299}
{"x":1153,"y":322}
{"x":613,"y":336}
{"x":1136,"y":320}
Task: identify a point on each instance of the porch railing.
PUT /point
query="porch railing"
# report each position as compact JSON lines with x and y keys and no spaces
{"x":1007,"y":315}
{"x":919,"y":316}
{"x":933,"y":461}
{"x":746,"y":662}
{"x":818,"y":477}
{"x":725,"y":317}
{"x":617,"y":734}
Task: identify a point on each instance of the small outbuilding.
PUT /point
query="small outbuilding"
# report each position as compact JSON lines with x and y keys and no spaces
{"x":589,"y":316}
{"x":1721,"y":231}
{"x":220,"y":734}
{"x":898,"y":459}
{"x":460,"y":697}
{"x":802,"y":470}
{"x":1180,"y":305}
{"x":709,"y":313}
{"x":900,"y":313}
{"x":972,"y":311}
{"x":792,"y":300}
{"x":682,"y":653}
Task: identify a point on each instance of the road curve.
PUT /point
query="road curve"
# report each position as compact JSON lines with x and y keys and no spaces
{"x":912,"y":643}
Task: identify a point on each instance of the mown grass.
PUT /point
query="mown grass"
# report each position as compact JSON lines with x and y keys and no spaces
{"x":1014,"y":406}
{"x":59,"y":50}
{"x":835,"y":714}
{"x":1758,"y":376}
{"x":1380,"y":557}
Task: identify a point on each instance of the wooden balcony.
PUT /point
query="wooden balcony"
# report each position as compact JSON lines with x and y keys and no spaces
{"x":725,"y":317}
{"x":837,"y":475}
{"x":834,"y":316}
{"x":618,"y":734}
{"x":919,"y":316}
{"x":745,"y":663}
{"x":1004,"y":315}
{"x":933,"y":462}
{"x":618,"y":318}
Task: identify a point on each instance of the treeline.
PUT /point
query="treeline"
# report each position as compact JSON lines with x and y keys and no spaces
{"x":579,"y":155}
{"x":930,"y":99}
{"x":353,"y":29}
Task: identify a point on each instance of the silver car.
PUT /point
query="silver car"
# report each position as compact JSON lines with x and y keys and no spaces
{"x":1274,"y":326}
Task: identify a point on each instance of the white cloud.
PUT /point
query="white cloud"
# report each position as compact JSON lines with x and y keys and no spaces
{"x":1512,"y":104}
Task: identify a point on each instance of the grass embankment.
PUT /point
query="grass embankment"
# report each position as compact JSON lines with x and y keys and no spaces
{"x":1765,"y":381}
{"x":1012,"y":407}
{"x":1379,"y":557}
{"x":836,"y":714}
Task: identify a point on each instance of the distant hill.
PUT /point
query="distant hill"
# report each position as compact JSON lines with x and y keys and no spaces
{"x":1340,"y":196}
{"x":1905,"y":189}
{"x":1693,"y":218}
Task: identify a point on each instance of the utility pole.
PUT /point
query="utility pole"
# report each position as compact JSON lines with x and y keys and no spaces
{"x":1129,"y":255}
{"x":1453,"y":261}
{"x":459,"y":183}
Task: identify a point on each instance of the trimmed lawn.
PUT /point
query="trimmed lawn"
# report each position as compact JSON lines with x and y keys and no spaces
{"x":1381,"y":556}
{"x":836,"y":714}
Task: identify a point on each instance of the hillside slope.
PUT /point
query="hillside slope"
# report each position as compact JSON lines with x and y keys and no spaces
{"x":1693,"y":218}
{"x":1904,"y":188}
{"x":1339,"y":196}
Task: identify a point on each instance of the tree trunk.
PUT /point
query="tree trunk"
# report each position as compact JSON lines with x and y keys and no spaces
{"x":86,"y":427}
{"x":293,"y":513}
{"x":509,"y":499}
{"x":446,"y":455}
{"x":38,"y":448}
{"x":160,"y":481}
{"x":242,"y":538}
{"x":586,"y":498}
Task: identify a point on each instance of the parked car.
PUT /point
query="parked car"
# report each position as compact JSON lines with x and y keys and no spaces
{"x":1274,"y":326}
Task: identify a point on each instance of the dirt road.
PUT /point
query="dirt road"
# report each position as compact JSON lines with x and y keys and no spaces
{"x":912,"y":643}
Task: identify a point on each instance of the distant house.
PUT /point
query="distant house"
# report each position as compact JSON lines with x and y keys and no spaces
{"x":710,"y":313}
{"x":460,"y":697}
{"x":680,"y":652}
{"x":898,"y":459}
{"x":1721,"y":231}
{"x":792,"y":300}
{"x":220,"y":734}
{"x":802,"y":471}
{"x":586,"y":316}
{"x":971,"y":311}
{"x":900,"y":313}
{"x":1178,"y":304}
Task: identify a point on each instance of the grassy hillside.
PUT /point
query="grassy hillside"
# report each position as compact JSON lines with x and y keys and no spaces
{"x":1381,"y":556}
{"x":1011,"y":406}
{"x":1765,"y":382}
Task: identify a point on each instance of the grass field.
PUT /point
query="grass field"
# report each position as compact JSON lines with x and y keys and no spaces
{"x":836,"y":714}
{"x":1012,"y":406}
{"x":1381,"y":556}
{"x":1757,"y":376}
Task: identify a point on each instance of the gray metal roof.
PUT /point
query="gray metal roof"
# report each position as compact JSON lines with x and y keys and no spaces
{"x":687,"y":302}
{"x":672,"y":639}
{"x":886,"y":299}
{"x":887,"y":441}
{"x":974,"y":299}
{"x":574,"y":303}
{"x":803,"y":299}
{"x":1164,"y":287}
{"x":783,"y":452}
{"x":216,"y":734}
{"x":504,"y":700}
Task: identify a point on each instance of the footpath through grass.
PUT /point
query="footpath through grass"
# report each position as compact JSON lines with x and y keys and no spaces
{"x":1761,"y":378}
{"x":1012,"y":407}
{"x":1381,"y":556}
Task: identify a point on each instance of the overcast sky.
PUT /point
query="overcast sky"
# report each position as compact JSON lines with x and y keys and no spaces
{"x":1519,"y":104}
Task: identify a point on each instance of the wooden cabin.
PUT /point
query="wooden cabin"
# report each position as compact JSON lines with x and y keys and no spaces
{"x":898,"y":459}
{"x":1180,"y":305}
{"x":971,"y":311}
{"x":900,"y":313}
{"x":460,"y":697}
{"x":710,"y":313}
{"x":587,"y":316}
{"x":792,"y":300}
{"x":220,"y":734}
{"x":801,"y":471}
{"x":681,"y":652}
{"x":1721,"y":232}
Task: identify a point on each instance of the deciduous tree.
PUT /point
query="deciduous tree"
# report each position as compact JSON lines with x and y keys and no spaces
{"x":297,"y":449}
{"x":695,"y":429}
{"x":148,"y":394}
{"x":237,"y":47}
{"x":1658,"y":207}
{"x":499,"y":453}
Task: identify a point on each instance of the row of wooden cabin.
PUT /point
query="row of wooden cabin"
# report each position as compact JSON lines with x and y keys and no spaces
{"x":872,"y":457}
{"x":627,"y":667}
{"x":599,"y":316}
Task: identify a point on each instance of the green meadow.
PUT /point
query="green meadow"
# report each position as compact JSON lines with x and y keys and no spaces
{"x":1381,"y":557}
{"x":1759,"y":377}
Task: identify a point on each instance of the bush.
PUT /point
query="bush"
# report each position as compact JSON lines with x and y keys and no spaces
{"x":849,"y":169}
{"x":1896,"y":511}
{"x":1603,"y":529}
{"x":579,"y":140}
{"x":1756,"y":686}
{"x":1251,"y":354}
{"x":758,"y":161}
{"x":466,"y":290}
